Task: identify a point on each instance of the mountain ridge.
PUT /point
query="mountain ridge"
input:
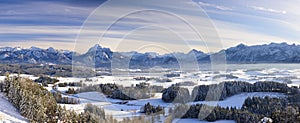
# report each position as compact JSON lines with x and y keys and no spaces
{"x":103,"y":57}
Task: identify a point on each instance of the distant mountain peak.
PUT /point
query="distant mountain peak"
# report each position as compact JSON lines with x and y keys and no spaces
{"x":51,"y":49}
{"x":241,"y":45}
{"x":35,"y":48}
{"x":195,"y":51}
{"x":95,"y":48}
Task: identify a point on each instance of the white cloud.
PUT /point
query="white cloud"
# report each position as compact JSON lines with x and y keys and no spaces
{"x":231,"y":32}
{"x":259,"y":8}
{"x":215,"y":6}
{"x":59,"y":30}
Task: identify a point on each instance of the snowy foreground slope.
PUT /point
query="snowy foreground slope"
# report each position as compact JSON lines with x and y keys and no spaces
{"x":8,"y":113}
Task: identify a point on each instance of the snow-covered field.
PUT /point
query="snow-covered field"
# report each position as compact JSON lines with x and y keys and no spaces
{"x":238,"y":100}
{"x":21,"y":75}
{"x":132,"y":108}
{"x":289,"y":76}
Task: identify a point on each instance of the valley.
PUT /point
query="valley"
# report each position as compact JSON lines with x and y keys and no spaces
{"x":121,"y":109}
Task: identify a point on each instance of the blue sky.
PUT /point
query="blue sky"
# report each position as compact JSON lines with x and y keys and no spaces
{"x":57,"y":23}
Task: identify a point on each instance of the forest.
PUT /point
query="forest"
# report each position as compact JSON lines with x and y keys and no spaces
{"x":39,"y":105}
{"x":280,"y":110}
{"x":221,"y":91}
{"x":138,"y":91}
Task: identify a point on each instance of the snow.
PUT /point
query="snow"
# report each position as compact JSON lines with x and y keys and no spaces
{"x":233,"y":101}
{"x":32,"y":77}
{"x":153,"y":101}
{"x":207,"y":77}
{"x":8,"y":113}
{"x":119,"y":111}
{"x":62,"y":89}
{"x":238,"y":100}
{"x":132,"y":108}
{"x":3,"y":56}
{"x":69,"y":79}
{"x":92,"y":96}
{"x":199,"y":121}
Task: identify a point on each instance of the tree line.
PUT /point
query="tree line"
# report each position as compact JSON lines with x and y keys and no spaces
{"x":209,"y":113}
{"x":221,"y":91}
{"x":112,"y":90}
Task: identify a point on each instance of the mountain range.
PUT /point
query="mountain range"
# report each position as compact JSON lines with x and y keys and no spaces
{"x":103,"y":57}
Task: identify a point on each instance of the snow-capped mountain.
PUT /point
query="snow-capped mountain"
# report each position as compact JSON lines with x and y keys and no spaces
{"x":96,"y":56}
{"x":104,"y":57}
{"x":35,"y":55}
{"x":271,"y":53}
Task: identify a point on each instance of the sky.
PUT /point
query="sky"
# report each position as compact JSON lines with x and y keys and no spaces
{"x":148,"y":25}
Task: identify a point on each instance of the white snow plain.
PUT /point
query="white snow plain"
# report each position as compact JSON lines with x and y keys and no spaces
{"x":119,"y":111}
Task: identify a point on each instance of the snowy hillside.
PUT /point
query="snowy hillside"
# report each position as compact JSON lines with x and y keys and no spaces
{"x":8,"y":113}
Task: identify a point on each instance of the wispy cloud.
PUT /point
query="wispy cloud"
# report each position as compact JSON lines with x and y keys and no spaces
{"x":55,"y":23}
{"x":215,"y":6}
{"x":259,"y":8}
